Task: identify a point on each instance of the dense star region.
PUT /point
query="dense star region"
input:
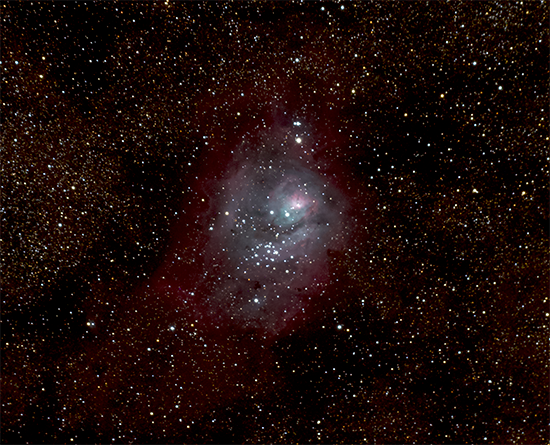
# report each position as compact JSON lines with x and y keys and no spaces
{"x":275,"y":222}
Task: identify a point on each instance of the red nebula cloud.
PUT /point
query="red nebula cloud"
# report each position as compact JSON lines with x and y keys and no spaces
{"x":251,"y":249}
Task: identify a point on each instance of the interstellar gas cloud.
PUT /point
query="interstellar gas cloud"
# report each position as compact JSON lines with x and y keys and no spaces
{"x":274,"y":217}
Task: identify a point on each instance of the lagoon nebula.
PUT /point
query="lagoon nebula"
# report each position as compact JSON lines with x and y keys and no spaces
{"x":275,"y":214}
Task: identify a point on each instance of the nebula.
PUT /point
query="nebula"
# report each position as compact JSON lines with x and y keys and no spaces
{"x":263,"y":247}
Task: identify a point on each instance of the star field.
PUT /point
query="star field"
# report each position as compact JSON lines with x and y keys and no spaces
{"x":283,"y":222}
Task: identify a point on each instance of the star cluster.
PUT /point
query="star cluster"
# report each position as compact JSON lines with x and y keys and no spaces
{"x":287,"y":222}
